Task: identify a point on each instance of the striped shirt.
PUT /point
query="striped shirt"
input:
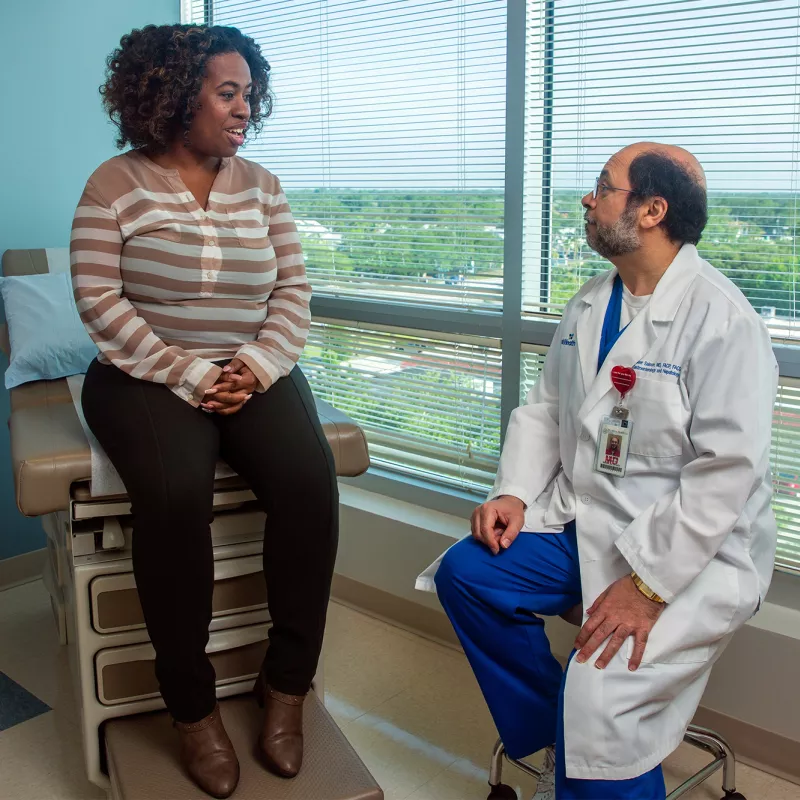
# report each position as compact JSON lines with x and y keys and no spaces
{"x":166,"y":288}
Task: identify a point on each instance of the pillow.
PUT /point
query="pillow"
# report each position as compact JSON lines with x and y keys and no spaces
{"x":48,"y":340}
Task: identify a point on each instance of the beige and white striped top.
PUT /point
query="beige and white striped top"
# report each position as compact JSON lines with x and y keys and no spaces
{"x":165,"y":287}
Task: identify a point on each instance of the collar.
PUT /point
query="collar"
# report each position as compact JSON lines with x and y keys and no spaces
{"x":169,"y":173}
{"x":669,"y":291}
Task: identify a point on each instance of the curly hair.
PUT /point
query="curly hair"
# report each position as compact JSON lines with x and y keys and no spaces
{"x":154,"y":77}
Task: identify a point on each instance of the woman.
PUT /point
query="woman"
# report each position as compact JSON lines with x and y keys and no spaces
{"x":188,"y":274}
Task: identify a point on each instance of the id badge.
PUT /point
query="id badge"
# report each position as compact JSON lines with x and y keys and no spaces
{"x":612,"y":445}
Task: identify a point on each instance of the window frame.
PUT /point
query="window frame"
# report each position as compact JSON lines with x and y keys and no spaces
{"x":509,"y":325}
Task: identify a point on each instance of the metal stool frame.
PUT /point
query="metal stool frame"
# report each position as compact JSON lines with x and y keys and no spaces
{"x":711,"y":742}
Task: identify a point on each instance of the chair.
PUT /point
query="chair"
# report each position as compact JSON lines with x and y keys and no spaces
{"x":711,"y":742}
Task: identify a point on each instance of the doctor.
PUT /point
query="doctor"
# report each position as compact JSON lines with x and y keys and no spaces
{"x":669,"y":545}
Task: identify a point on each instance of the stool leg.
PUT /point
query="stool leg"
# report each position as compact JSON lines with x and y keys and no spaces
{"x":724,"y":756}
{"x":496,"y":768}
{"x":499,"y":791}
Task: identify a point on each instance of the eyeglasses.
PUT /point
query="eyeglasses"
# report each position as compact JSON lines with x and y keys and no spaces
{"x":604,"y":187}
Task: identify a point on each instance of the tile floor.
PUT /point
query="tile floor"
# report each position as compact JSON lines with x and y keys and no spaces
{"x":410,"y":707}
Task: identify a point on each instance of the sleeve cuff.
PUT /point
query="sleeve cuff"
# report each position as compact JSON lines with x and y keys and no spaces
{"x":641,"y":569}
{"x":514,"y":491}
{"x":193,"y":390}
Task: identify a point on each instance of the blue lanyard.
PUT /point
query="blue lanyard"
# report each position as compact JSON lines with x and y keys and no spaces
{"x":611,"y":331}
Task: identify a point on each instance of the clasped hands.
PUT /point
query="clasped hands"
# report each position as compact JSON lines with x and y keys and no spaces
{"x":620,"y":612}
{"x":232,"y":390}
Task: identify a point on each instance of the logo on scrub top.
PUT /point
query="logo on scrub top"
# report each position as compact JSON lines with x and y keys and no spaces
{"x":569,"y":342}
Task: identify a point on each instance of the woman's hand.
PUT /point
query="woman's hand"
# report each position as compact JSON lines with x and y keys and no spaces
{"x":232,"y":390}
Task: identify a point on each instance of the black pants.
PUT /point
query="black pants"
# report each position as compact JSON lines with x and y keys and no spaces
{"x":166,"y":452}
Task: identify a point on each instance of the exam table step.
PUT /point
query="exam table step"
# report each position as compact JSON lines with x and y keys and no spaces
{"x":143,"y":760}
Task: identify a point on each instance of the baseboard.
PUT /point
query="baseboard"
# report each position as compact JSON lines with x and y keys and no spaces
{"x":21,"y":569}
{"x":760,"y":748}
{"x":395,"y":610}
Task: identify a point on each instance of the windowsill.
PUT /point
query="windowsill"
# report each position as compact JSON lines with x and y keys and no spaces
{"x":780,"y":612}
{"x":426,"y":494}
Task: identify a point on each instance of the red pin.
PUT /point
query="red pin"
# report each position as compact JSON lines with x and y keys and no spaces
{"x":623,"y":379}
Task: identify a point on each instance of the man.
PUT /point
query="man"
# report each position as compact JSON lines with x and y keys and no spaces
{"x":671,"y":549}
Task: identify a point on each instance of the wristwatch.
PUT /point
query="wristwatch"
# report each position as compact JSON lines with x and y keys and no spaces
{"x":645,"y":589}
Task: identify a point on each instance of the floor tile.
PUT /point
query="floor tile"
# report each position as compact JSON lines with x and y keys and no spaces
{"x":464,"y":781}
{"x":446,"y":709}
{"x":31,"y":654}
{"x":17,"y":704}
{"x":42,"y":759}
{"x":782,"y":790}
{"x":752,"y":783}
{"x":400,"y":761}
{"x":369,"y":662}
{"x":411,"y":708}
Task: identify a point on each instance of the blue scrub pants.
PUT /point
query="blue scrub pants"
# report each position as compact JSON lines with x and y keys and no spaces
{"x":493,"y":603}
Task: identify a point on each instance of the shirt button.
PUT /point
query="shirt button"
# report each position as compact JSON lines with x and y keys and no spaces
{"x":585,"y":435}
{"x":212,"y":243}
{"x":586,"y":500}
{"x":209,"y":275}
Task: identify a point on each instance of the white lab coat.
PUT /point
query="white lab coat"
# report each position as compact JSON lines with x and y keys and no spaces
{"x":692,"y":517}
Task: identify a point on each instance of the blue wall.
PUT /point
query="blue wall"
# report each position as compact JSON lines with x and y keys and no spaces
{"x":53,"y":135}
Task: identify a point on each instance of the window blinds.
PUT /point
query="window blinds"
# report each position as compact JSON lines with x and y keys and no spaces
{"x":429,"y":403}
{"x":388,"y":136}
{"x":719,"y":77}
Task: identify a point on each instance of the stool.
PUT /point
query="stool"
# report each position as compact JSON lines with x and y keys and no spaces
{"x":703,"y":738}
{"x":711,"y":742}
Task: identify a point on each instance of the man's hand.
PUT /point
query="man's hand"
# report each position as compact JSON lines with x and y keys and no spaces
{"x":621,"y":611}
{"x":232,"y":390}
{"x":498,"y":522}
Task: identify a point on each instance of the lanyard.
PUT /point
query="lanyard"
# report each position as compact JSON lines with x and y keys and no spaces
{"x":611,"y":321}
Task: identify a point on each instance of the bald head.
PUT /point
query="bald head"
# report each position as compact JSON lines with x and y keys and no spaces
{"x":678,"y":155}
{"x":673,"y":174}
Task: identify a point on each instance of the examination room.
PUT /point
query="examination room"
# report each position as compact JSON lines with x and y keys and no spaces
{"x":400,"y":400}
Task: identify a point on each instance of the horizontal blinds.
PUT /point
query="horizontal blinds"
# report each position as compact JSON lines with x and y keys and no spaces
{"x":719,"y":77}
{"x":192,"y":11}
{"x":785,"y":457}
{"x":786,"y":472}
{"x":429,"y":404}
{"x":531,"y":366}
{"x":388,"y":136}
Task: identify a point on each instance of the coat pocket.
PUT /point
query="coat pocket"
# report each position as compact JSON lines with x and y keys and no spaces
{"x":698,"y":621}
{"x":657,"y":414}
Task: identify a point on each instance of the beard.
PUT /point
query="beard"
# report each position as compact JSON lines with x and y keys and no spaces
{"x":618,"y":239}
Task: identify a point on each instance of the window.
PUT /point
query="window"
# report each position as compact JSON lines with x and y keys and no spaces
{"x":435,"y":153}
{"x":786,"y":470}
{"x":430,"y":403}
{"x":388,"y":136}
{"x":718,"y":77}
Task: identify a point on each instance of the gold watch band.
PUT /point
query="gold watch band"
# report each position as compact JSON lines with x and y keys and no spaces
{"x":645,"y":589}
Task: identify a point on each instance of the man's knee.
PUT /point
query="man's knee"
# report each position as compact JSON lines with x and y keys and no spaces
{"x":462,"y":565}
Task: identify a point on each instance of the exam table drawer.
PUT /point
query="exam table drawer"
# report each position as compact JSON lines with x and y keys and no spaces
{"x":238,"y":587}
{"x":126,"y":674}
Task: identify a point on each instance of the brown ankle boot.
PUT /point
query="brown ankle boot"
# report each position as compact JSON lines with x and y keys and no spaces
{"x":281,"y":739}
{"x":208,"y":755}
